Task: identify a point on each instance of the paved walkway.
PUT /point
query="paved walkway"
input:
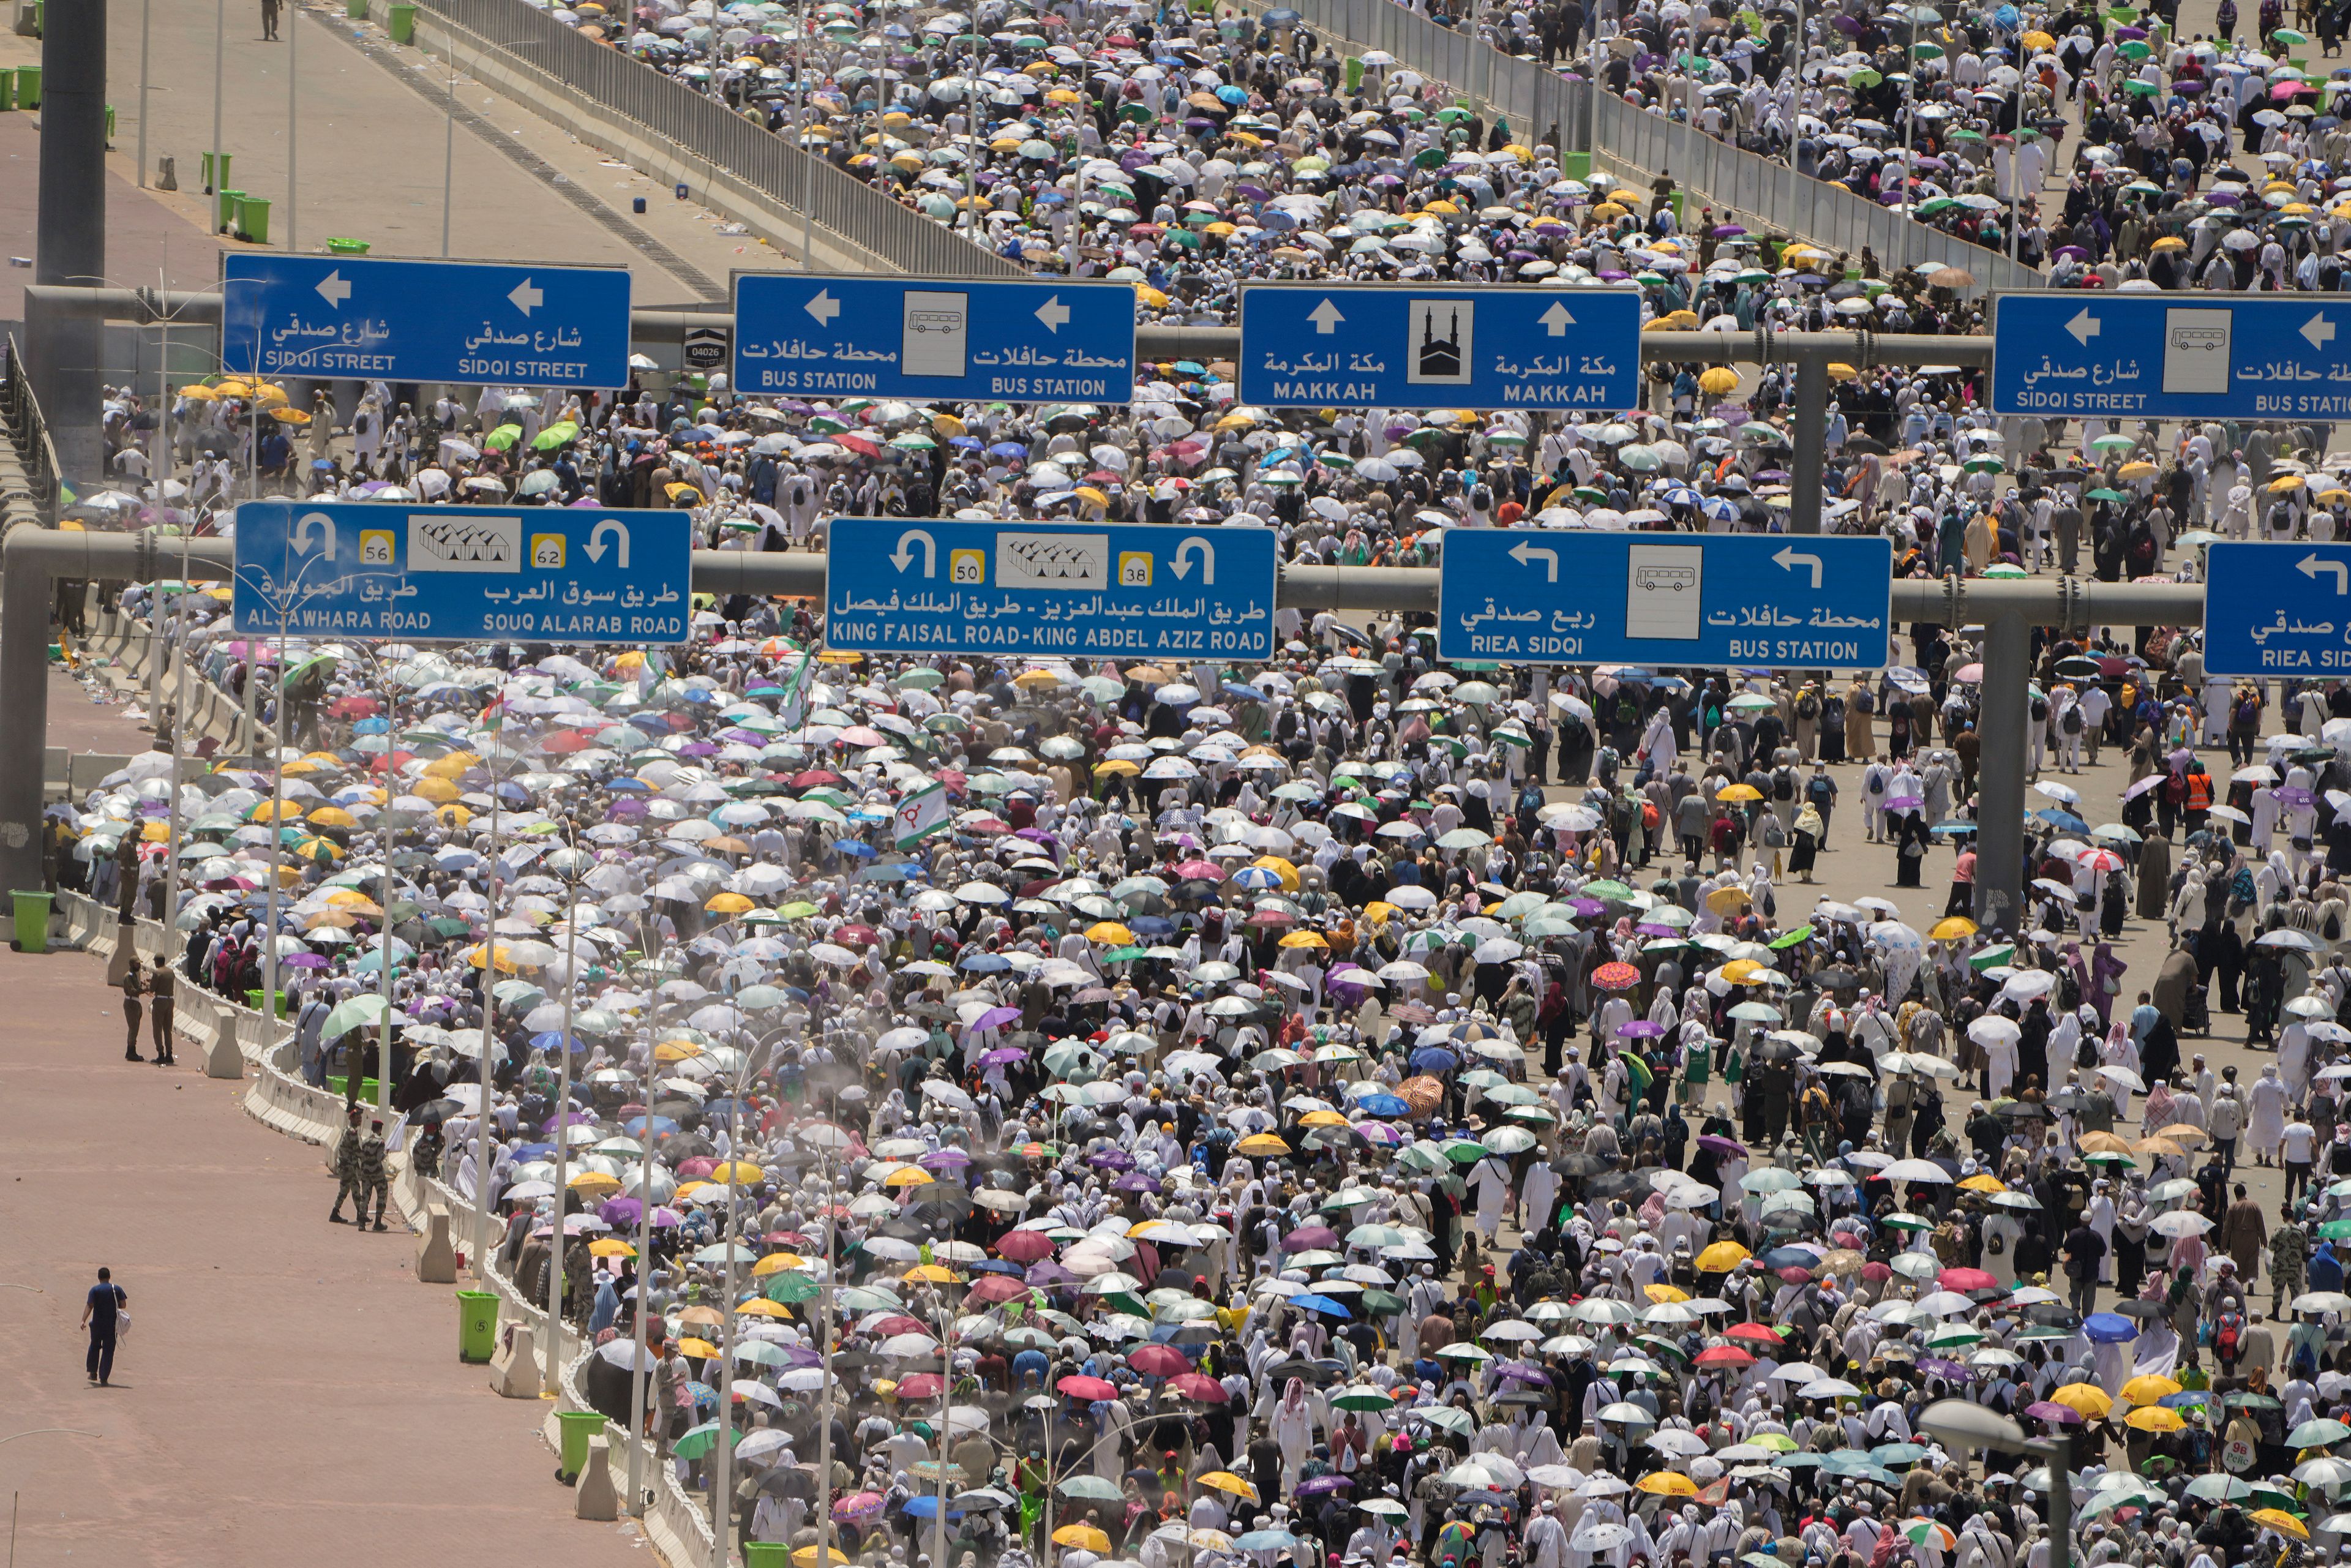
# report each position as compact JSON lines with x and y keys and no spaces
{"x":370,"y":156}
{"x":289,"y":1395}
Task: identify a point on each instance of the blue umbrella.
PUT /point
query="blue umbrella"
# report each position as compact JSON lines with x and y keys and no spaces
{"x":635,"y":1125}
{"x":926,"y":1506}
{"x":1433,"y":1059}
{"x":1311,"y":1303}
{"x":982,"y":962}
{"x":1382,"y":1105}
{"x":2065,"y":820}
{"x":2110,"y":1328}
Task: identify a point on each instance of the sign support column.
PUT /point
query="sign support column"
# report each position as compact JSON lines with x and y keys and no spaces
{"x":1999,"y":792}
{"x":1811,"y":439}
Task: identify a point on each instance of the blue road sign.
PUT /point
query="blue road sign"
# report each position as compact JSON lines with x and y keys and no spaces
{"x":896,"y":585}
{"x":2172,"y":356}
{"x":1776,"y":600}
{"x":1398,"y":345}
{"x":2277,"y":610}
{"x":463,"y":574}
{"x":809,"y":335}
{"x":468,"y":322}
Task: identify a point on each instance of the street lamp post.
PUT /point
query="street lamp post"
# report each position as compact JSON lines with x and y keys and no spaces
{"x":1963,"y":1424}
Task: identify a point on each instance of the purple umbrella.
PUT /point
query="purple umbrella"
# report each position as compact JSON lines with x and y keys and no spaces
{"x":1001,"y":1055}
{"x":1136,"y":1181}
{"x":1045,"y":1271}
{"x":944,"y":1159}
{"x":1641,"y":1029}
{"x":1525,"y":1372}
{"x":1316,"y":1485}
{"x":1722,"y":1146}
{"x":1950,"y":1370}
{"x":995,"y":1018}
{"x":2044,"y":1410}
{"x":1311,"y":1238}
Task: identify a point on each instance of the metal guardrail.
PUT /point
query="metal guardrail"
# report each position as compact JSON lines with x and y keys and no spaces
{"x":707,"y":129}
{"x":1538,"y":104}
{"x":29,"y":433}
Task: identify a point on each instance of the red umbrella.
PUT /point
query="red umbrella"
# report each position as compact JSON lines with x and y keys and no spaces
{"x":1198,"y":1385}
{"x":1158,"y":1360}
{"x":921,"y":1385}
{"x":1078,"y":1387}
{"x":1725,"y":1356}
{"x":1965,"y":1279}
{"x":900,"y":1323}
{"x":1024,"y":1246}
{"x":1197,"y":871}
{"x":1616,"y":977}
{"x":1763,"y":1333}
{"x":999,"y":1288}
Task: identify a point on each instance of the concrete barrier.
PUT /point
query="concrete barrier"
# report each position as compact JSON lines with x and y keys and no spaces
{"x":436,"y":1260}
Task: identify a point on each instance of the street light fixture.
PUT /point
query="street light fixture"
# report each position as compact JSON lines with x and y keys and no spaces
{"x":1964,"y":1425}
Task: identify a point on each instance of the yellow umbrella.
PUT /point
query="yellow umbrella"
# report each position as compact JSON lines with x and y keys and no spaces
{"x":1280,"y":868}
{"x":2104,"y":1143}
{"x":760,"y":1307}
{"x":611,"y":1247}
{"x":2285,"y":1523}
{"x":729,"y":904}
{"x":2154,"y":1418}
{"x":700,"y":1349}
{"x":1117,"y":767}
{"x":737,"y":1173}
{"x":453,"y":815}
{"x":333,"y":817}
{"x":1262,"y":1144}
{"x":810,"y":1556}
{"x":909,"y":1176}
{"x":480,"y":958}
{"x":1721,"y":1258}
{"x":1664,"y":1294}
{"x":776,"y":1263}
{"x":2150,"y":1388}
{"x":1981,"y":1183}
{"x":1226,"y":1481}
{"x":1112,"y":932}
{"x":1667,"y":1483}
{"x":1951,"y":927}
{"x":1323,"y":1119}
{"x":199,"y":392}
{"x":1304,"y":939}
{"x":1379,"y":912}
{"x":1740,"y":792}
{"x":1717,"y":381}
{"x":1084,"y":1537}
{"x":2085,"y":1397}
{"x":675,"y":1051}
{"x":934,"y":1273}
{"x":438,"y":790}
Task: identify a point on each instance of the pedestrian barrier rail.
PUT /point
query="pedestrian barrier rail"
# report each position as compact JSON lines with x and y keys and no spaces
{"x":707,"y":129}
{"x":1538,"y":103}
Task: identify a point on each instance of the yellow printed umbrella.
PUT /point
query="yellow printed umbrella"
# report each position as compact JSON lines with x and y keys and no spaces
{"x":1667,"y":1483}
{"x":2151,"y":1388}
{"x":1720,"y":1257}
{"x":2085,"y":1397}
{"x":776,"y":1263}
{"x":1226,"y":1481}
{"x":1084,"y":1537}
{"x":594,"y":1181}
{"x":1262,"y":1143}
{"x":911,"y":1176}
{"x":2285,"y":1523}
{"x":2154,"y":1418}
{"x":611,"y":1247}
{"x":1951,"y":929}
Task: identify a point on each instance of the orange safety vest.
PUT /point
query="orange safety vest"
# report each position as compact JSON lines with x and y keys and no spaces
{"x":2199,"y":791}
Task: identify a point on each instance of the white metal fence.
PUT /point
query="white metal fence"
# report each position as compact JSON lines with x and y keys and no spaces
{"x":1540,"y":105}
{"x":705,"y":128}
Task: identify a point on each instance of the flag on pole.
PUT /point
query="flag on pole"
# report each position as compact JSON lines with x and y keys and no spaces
{"x":922,"y":814}
{"x":792,"y":712}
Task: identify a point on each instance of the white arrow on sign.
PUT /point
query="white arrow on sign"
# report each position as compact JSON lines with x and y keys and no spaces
{"x":303,"y":527}
{"x":1326,"y":318}
{"x":824,"y":308}
{"x":1525,"y":554}
{"x":595,"y":546}
{"x":1054,"y":314}
{"x":2319,"y":330}
{"x":1788,"y":560}
{"x":1182,"y":565}
{"x":2310,"y":566}
{"x":2084,"y":327}
{"x":334,"y":290}
{"x":930,"y":551}
{"x":1557,"y":320}
{"x":523,"y":297}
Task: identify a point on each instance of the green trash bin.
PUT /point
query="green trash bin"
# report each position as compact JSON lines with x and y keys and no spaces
{"x":28,"y":87}
{"x":336,"y":246}
{"x":767,"y":1555}
{"x":32,"y":920}
{"x":477,"y":1325}
{"x":356,"y":9}
{"x":578,"y":1426}
{"x":109,"y":125}
{"x":224,"y":205}
{"x":7,"y":89}
{"x":253,"y":1000}
{"x":1576,"y":165}
{"x":205,"y":161}
{"x":403,"y":23}
{"x":253,"y":219}
{"x":1354,"y":73}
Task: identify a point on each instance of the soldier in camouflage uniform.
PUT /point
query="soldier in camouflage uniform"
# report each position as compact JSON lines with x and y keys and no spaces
{"x":369,"y":1178}
{"x":2288,"y":1251}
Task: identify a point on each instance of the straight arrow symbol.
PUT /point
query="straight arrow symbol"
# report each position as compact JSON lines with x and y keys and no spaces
{"x":1326,"y":318}
{"x":1556,"y":319}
